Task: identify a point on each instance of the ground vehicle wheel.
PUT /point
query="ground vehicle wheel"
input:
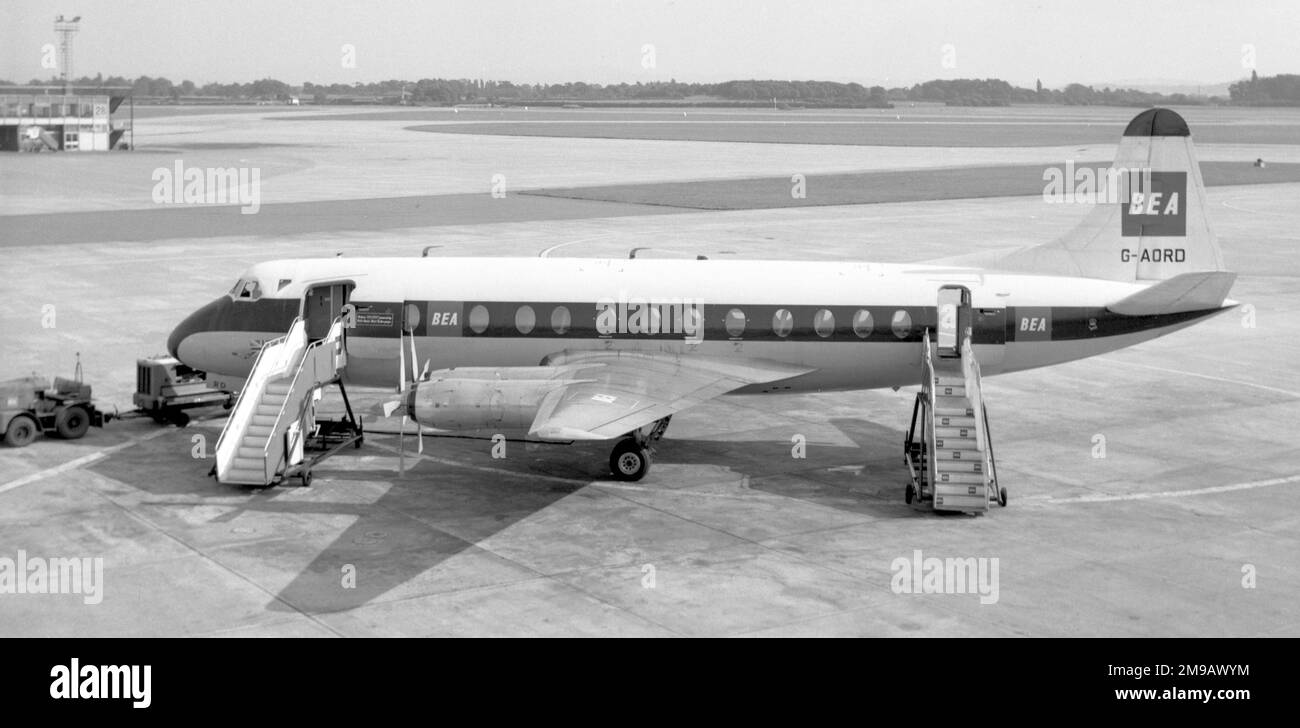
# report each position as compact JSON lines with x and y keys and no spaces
{"x":1002,"y":497}
{"x":629,"y":461}
{"x":305,"y":478}
{"x":21,"y":431}
{"x":178,"y":418}
{"x":909,"y":495}
{"x":72,"y":422}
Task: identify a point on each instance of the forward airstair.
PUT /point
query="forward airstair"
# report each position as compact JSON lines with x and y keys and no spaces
{"x":273,"y":423}
{"x":948,"y":450}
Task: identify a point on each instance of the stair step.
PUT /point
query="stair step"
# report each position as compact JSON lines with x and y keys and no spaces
{"x":954,"y":421}
{"x":941,"y":380}
{"x":950,"y":390}
{"x":948,"y":432}
{"x":958,"y":478}
{"x":259,"y":431}
{"x":236,"y":476}
{"x":264,"y":408}
{"x":955,"y":443}
{"x":277,"y":388}
{"x":958,"y":466}
{"x":964,"y":503}
{"x":974,"y":456}
{"x":243,"y":463}
{"x":263,"y":420}
{"x":953,"y":406}
{"x":244,"y":451}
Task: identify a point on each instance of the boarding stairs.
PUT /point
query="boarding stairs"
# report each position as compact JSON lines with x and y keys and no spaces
{"x":948,"y":449}
{"x":273,"y":421}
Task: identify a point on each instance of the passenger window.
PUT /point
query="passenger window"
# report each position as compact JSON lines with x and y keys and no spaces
{"x":478,"y":319}
{"x":863,"y":323}
{"x":902,"y":324}
{"x":525,"y":319}
{"x":735,"y":322}
{"x":560,"y":320}
{"x":824,"y":323}
{"x":782,"y":323}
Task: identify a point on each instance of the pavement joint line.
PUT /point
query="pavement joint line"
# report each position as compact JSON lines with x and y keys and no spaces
{"x":1165,"y":494}
{"x":200,"y":553}
{"x":1180,"y":372}
{"x":79,"y":462}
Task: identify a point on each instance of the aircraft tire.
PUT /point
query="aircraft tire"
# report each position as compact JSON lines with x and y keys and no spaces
{"x":629,"y":461}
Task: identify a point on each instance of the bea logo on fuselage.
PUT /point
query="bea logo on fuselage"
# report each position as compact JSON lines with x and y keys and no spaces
{"x":1034,"y":323}
{"x":443,"y":318}
{"x":1158,"y":211}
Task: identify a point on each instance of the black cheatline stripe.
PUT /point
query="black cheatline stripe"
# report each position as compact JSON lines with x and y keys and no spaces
{"x":460,"y":319}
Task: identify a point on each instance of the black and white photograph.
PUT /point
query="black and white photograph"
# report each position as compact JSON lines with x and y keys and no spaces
{"x":642,"y":318}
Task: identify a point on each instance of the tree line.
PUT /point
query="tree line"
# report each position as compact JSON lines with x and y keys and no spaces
{"x":1277,"y":90}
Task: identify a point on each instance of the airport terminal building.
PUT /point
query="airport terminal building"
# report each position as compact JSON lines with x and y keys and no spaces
{"x":36,"y":119}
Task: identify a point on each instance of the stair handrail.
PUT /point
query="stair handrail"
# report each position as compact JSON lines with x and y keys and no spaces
{"x":991,"y":460}
{"x":927,"y":423}
{"x":970,"y":368}
{"x":250,"y":394}
{"x":975,"y":393}
{"x":927,"y":368}
{"x":332,"y":338}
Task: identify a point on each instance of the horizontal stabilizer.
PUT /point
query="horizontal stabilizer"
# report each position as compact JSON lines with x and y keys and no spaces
{"x":1185,"y":292}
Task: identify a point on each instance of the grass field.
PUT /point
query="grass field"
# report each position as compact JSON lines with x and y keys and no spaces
{"x":863,"y":133}
{"x":877,"y":187}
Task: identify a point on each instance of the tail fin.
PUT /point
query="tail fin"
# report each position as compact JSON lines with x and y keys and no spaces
{"x":1149,"y":222}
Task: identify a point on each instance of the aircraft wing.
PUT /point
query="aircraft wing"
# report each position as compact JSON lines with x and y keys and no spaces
{"x":613,"y":393}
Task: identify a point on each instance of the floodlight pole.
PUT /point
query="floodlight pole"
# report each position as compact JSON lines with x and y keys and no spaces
{"x":66,"y":30}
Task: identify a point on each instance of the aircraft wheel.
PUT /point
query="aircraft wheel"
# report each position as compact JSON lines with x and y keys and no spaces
{"x":72,"y":422}
{"x":629,"y":461}
{"x":1002,"y":497}
{"x":21,"y":431}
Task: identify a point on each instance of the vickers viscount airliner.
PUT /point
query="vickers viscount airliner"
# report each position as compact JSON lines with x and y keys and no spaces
{"x":567,"y":349}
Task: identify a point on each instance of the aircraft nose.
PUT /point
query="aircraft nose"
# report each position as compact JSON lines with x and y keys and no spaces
{"x":203,"y":319}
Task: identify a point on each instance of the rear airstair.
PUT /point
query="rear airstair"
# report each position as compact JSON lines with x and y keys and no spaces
{"x":948,"y":450}
{"x":273,"y":424}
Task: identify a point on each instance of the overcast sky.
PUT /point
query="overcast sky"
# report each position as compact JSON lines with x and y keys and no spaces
{"x":605,"y":41}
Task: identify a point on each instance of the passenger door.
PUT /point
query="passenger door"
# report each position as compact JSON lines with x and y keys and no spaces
{"x":322,"y":304}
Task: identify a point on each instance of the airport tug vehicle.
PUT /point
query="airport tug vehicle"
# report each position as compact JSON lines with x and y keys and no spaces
{"x":33,"y":405}
{"x":165,"y":388}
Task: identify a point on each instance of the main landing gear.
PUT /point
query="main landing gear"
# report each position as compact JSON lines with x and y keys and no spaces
{"x":630,"y":460}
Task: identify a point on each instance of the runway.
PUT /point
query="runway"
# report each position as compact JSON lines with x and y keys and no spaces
{"x":1145,"y":484}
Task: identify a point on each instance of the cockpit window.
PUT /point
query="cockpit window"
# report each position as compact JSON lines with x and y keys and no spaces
{"x":246,"y":290}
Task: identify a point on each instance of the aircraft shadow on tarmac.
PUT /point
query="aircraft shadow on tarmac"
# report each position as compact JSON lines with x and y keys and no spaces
{"x":401,"y":532}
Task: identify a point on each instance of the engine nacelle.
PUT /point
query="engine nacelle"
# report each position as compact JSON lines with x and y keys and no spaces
{"x":481,"y":398}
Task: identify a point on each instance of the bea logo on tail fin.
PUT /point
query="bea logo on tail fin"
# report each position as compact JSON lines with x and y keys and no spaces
{"x":1160,"y":211}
